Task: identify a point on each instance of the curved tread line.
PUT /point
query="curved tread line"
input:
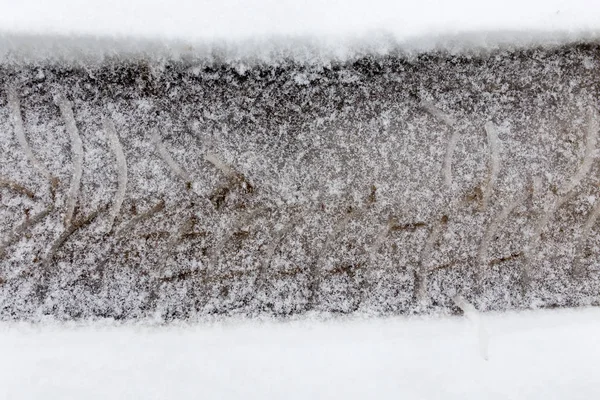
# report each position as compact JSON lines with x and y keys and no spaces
{"x":589,"y":155}
{"x":422,"y":270}
{"x":585,"y":232}
{"x":451,"y":146}
{"x":121,"y":167}
{"x":237,"y":178}
{"x":532,"y":244}
{"x":437,"y":113}
{"x":494,"y":146}
{"x":492,"y":228}
{"x":14,"y":105}
{"x":66,"y":110}
{"x":447,"y":167}
{"x":164,"y":154}
{"x":70,"y":230}
{"x":17,"y":187}
{"x":220,"y":165}
{"x":541,"y":224}
{"x":565,"y":193}
{"x":128,"y":226}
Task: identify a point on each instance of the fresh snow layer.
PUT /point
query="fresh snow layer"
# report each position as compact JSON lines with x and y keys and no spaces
{"x":225,"y":19}
{"x":269,"y":30}
{"x":530,"y":355}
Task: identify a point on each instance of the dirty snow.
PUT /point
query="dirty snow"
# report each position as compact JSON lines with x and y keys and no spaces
{"x":533,"y":355}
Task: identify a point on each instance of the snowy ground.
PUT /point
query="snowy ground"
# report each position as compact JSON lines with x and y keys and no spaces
{"x":235,"y":19}
{"x":271,"y":30}
{"x":532,"y":355}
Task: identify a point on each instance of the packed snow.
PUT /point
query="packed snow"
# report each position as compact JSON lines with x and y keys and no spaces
{"x":531,"y":355}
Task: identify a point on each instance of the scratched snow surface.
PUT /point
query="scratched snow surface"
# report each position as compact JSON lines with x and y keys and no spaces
{"x":379,"y":184}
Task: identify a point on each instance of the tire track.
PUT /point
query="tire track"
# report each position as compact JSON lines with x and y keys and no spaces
{"x":14,"y":106}
{"x":589,"y":155}
{"x":578,"y":269}
{"x":66,"y":110}
{"x":16,"y":187}
{"x":168,"y":159}
{"x":420,"y":293}
{"x":452,"y":142}
{"x":66,"y":234}
{"x":128,"y":226}
{"x":494,"y":170}
{"x":328,"y":256}
{"x":564,"y":194}
{"x":121,"y":167}
{"x":492,"y":228}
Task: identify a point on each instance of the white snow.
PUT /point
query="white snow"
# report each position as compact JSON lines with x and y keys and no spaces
{"x":209,"y":19}
{"x":302,"y":30}
{"x":531,"y":355}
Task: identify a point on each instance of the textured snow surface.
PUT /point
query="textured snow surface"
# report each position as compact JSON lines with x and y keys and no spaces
{"x":271,"y":30}
{"x":194,"y":158}
{"x":532,"y":355}
{"x":381,"y":185}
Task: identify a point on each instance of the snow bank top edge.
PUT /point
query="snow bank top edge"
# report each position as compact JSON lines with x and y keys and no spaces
{"x":313,"y":319}
{"x":239,"y":19}
{"x":18,"y":49}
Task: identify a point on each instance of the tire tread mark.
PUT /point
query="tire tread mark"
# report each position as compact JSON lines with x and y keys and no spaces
{"x":16,"y":187}
{"x":494,"y":169}
{"x":121,"y":167}
{"x":422,"y":271}
{"x":16,"y":118}
{"x":564,"y":194}
{"x":66,"y":110}
{"x":583,"y":237}
{"x":168,"y":159}
{"x":492,"y":228}
{"x":128,"y":226}
{"x":68,"y":232}
{"x":589,"y":155}
{"x":452,"y":142}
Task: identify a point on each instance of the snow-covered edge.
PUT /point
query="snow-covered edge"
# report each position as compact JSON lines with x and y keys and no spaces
{"x":17,"y":48}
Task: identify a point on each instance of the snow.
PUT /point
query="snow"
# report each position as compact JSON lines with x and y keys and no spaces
{"x":191,"y":19}
{"x":532,"y":355}
{"x":258,"y":28}
{"x":324,"y":197}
